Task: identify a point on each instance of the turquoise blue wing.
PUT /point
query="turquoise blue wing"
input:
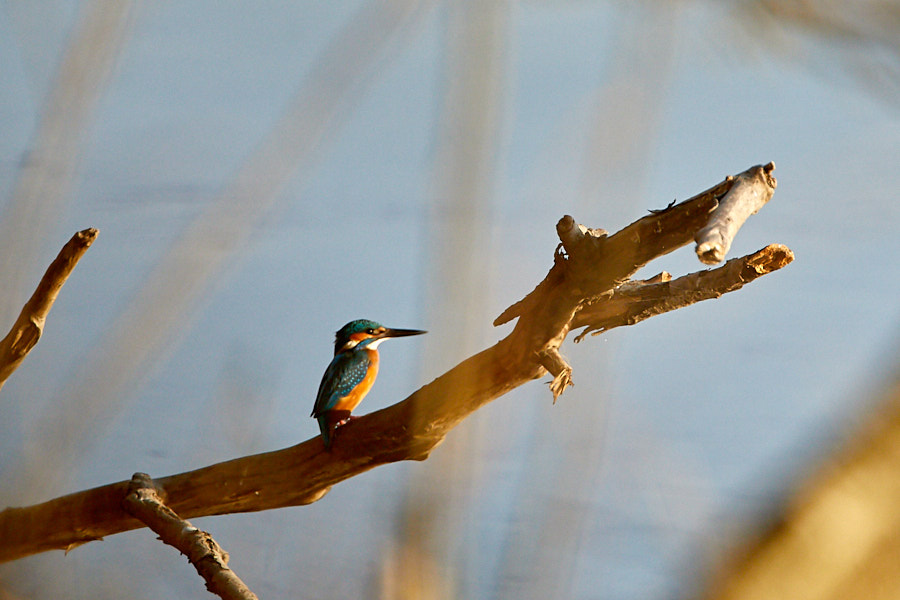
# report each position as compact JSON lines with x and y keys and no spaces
{"x":345,"y":372}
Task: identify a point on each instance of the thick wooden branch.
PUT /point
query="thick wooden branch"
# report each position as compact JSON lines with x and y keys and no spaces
{"x":294,"y":476}
{"x":28,"y":327}
{"x":589,"y":269}
{"x":143,"y":501}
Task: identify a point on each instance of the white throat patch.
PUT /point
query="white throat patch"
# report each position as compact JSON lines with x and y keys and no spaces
{"x":374,"y":345}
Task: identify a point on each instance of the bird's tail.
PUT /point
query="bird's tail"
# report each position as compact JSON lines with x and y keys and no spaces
{"x":325,"y":427}
{"x":329,"y":421}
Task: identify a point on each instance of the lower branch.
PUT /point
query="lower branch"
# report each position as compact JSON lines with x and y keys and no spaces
{"x":210,"y":560}
{"x":634,"y":301}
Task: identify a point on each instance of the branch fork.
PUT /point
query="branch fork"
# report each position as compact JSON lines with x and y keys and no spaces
{"x":590,"y":283}
{"x":145,"y":501}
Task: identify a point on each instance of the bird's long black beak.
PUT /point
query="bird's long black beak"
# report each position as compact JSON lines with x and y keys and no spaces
{"x":392,"y":333}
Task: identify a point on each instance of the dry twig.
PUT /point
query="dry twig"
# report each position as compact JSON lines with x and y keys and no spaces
{"x":143,"y":501}
{"x":28,"y":327}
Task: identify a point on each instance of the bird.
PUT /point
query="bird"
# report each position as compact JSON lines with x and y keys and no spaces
{"x":351,"y":373}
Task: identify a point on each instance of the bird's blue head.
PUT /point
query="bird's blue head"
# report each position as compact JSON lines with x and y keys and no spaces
{"x":365,"y":334}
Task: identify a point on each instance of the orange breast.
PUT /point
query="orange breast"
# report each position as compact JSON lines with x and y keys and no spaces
{"x":352,"y":400}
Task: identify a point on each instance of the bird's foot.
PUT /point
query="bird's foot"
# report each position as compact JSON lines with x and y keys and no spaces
{"x":343,"y":421}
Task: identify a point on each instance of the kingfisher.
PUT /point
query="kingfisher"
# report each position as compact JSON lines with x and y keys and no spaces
{"x":351,"y":373}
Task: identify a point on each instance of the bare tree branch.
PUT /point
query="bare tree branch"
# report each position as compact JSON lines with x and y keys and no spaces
{"x":589,"y":268}
{"x":634,"y":301}
{"x":143,"y":501}
{"x":30,"y":325}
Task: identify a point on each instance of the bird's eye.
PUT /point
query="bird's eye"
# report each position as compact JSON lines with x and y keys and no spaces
{"x":370,"y":331}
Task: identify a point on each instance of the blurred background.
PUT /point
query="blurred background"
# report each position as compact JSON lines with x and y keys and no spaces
{"x":262,"y":173}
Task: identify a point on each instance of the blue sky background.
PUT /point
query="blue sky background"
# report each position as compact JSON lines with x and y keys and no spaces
{"x":262,"y":173}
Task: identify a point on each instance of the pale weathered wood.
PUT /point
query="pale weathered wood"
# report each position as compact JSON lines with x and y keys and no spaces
{"x":750,"y":192}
